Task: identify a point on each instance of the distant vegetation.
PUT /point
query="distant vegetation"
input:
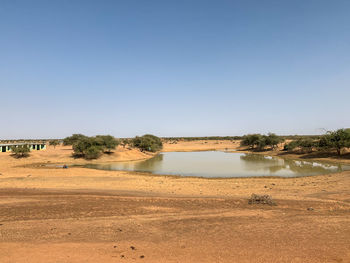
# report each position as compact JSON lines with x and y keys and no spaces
{"x":332,"y":141}
{"x":207,"y":138}
{"x":54,"y":143}
{"x":147,"y":142}
{"x":91,"y":147}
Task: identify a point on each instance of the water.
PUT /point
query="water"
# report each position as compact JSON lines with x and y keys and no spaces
{"x":213,"y":164}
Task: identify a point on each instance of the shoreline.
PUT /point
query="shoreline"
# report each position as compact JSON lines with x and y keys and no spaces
{"x":295,"y":156}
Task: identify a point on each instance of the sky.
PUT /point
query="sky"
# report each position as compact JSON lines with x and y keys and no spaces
{"x":173,"y":68}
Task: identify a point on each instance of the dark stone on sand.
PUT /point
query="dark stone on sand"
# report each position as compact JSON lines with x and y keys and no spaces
{"x":261,"y":199}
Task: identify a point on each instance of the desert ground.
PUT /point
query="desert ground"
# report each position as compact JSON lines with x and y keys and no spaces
{"x":49,"y":214}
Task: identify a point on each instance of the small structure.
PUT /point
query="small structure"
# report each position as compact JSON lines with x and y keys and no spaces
{"x":32,"y":146}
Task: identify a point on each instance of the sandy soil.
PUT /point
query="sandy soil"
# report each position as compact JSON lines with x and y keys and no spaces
{"x":51,"y":214}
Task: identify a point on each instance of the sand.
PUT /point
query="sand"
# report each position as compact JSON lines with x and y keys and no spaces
{"x":50,"y":214}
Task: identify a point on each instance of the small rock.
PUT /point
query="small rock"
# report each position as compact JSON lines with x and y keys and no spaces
{"x":132,"y":248}
{"x":142,"y":256}
{"x":115,"y":246}
{"x":310,"y":209}
{"x":122,"y":256}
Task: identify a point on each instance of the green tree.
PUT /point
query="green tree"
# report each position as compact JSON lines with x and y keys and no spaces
{"x":92,"y":152}
{"x":124,"y":142}
{"x":252,"y":140}
{"x":148,"y":142}
{"x":337,"y":140}
{"x":91,"y":147}
{"x":107,"y":142}
{"x":273,"y":140}
{"x":20,"y":151}
{"x":81,"y":146}
{"x":73,"y":139}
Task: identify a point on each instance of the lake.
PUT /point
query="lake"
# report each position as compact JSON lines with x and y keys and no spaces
{"x":216,"y":164}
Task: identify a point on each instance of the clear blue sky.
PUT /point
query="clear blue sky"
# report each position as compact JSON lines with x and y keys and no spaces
{"x":173,"y":68}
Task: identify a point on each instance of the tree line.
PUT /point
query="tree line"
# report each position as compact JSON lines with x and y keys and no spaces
{"x":336,"y":140}
{"x":331,"y":141}
{"x":93,"y":147}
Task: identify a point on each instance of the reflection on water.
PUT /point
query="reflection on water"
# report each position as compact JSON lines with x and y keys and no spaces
{"x":220,"y":164}
{"x":275,"y":164}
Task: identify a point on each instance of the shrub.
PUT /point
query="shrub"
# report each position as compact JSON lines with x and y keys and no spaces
{"x":261,"y":199}
{"x":290,"y":146}
{"x":20,"y":151}
{"x":54,"y":143}
{"x":306,"y":144}
{"x":148,"y":142}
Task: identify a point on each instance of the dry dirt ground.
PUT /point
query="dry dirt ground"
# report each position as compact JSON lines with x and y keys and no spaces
{"x":50,"y":214}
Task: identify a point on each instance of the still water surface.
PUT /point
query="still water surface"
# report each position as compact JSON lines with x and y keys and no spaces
{"x":220,"y":164}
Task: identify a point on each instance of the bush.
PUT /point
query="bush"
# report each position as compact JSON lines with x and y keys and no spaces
{"x":261,"y":199}
{"x":148,"y":142}
{"x":54,"y":143}
{"x":307,"y":144}
{"x":290,"y":146}
{"x":20,"y":151}
{"x":304,"y":144}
